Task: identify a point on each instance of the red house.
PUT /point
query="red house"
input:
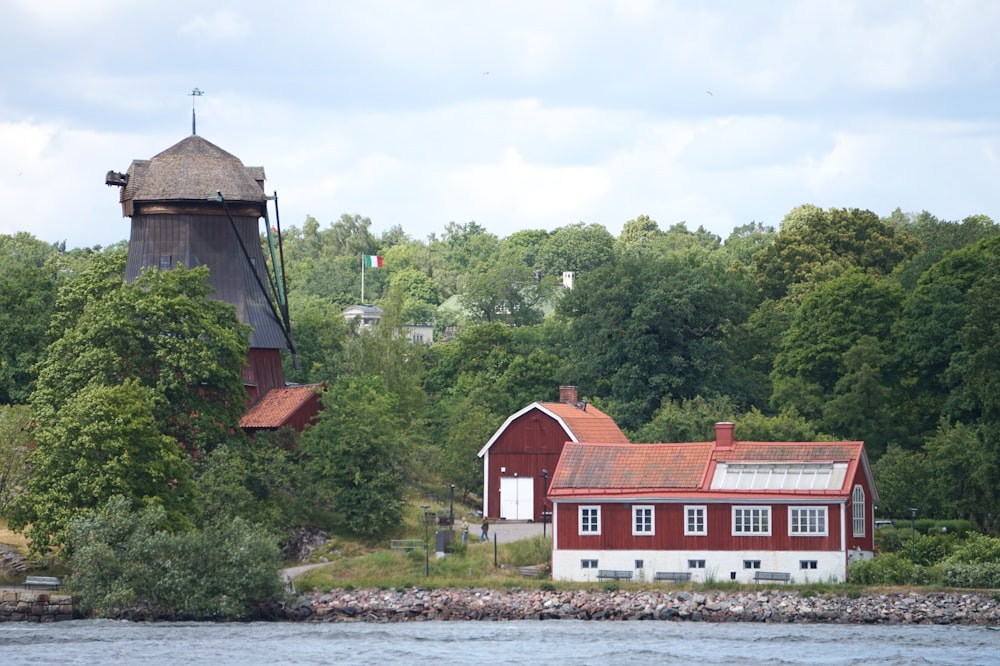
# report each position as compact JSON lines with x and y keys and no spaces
{"x":722,"y":510}
{"x":526,"y":448}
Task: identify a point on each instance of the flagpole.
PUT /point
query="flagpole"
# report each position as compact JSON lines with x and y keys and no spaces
{"x":362,"y":279}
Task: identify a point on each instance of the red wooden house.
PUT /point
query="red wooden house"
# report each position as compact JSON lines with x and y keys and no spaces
{"x":526,"y":448}
{"x":745,"y":511}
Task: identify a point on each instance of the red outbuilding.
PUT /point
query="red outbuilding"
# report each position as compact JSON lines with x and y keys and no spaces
{"x":523,"y":452}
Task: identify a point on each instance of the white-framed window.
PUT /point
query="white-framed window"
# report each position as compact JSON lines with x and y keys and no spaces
{"x":588,"y":564}
{"x":695,"y":523}
{"x":754,"y":520}
{"x":642,"y":520}
{"x":696,"y":564}
{"x":807,"y":521}
{"x":808,"y":564}
{"x":858,"y":510}
{"x":590,"y":520}
{"x":751,"y":564}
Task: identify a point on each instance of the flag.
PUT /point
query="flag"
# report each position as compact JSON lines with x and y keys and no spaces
{"x":373,"y":261}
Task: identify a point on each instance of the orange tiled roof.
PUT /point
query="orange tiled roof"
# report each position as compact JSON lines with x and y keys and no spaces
{"x":588,"y":424}
{"x":680,"y":469}
{"x":631,"y":467}
{"x":277,"y":407}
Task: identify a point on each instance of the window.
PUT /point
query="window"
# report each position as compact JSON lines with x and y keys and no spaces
{"x":751,"y":564}
{"x":858,"y":511}
{"x":807,"y":521}
{"x":752,"y":520}
{"x":808,"y":564}
{"x":588,"y":564}
{"x":164,"y":262}
{"x":590,"y":520}
{"x":639,"y":564}
{"x":696,"y":564}
{"x":642,"y":520}
{"x":694,"y":520}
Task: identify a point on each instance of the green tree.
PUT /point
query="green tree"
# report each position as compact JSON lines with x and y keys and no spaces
{"x":576,"y":247}
{"x":357,"y":454}
{"x":29,"y":276}
{"x":102,"y":442}
{"x":15,"y":443}
{"x":815,"y":245}
{"x":165,"y":331}
{"x":122,"y":559}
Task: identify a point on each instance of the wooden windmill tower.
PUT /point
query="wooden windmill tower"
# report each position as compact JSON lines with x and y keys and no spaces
{"x":195,"y":204}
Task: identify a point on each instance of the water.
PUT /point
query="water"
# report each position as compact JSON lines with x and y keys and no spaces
{"x":563,"y":642}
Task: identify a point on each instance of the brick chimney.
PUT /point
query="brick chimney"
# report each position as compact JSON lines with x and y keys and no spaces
{"x":568,"y":395}
{"x":724,"y":435}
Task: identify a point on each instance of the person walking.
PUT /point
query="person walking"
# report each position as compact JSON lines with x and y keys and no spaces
{"x":485,"y":536}
{"x":465,"y":530}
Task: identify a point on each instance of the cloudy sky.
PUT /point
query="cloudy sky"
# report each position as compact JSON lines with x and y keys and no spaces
{"x":517,"y":115}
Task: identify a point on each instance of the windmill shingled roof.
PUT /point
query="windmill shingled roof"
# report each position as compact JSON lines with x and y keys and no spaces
{"x":194,"y":169}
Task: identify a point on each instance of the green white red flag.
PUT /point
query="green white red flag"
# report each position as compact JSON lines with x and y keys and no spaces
{"x":373,"y":261}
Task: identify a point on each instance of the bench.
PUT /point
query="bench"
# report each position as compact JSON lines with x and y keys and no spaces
{"x":613,"y":574}
{"x":673,"y":576}
{"x":407,"y":544}
{"x":42,"y":583}
{"x":779,"y":576}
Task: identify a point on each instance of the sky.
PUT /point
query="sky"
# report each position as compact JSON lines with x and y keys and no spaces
{"x":514,"y":114}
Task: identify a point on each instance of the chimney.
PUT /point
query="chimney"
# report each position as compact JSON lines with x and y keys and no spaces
{"x":567,"y":394}
{"x":724,"y":435}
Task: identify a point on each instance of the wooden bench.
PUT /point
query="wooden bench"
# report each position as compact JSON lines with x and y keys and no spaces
{"x":779,"y":576}
{"x":673,"y":576}
{"x":613,"y":574}
{"x":42,"y":583}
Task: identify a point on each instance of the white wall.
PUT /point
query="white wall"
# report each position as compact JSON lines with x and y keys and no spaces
{"x":718,"y":564}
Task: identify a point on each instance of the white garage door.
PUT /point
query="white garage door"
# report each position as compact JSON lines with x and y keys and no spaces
{"x":517,"y":498}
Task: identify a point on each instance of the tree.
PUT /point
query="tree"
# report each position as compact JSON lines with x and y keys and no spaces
{"x":577,"y":247}
{"x":15,"y":442}
{"x":29,"y":276}
{"x":102,"y":442}
{"x":165,"y":331}
{"x":357,"y":453}
{"x":815,"y":245}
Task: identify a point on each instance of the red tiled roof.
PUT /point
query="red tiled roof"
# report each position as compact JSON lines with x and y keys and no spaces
{"x":683,"y":469}
{"x":277,"y":407}
{"x":630,"y":467}
{"x":588,"y":424}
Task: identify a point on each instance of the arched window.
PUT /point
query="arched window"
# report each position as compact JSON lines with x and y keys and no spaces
{"x":858,"y":510}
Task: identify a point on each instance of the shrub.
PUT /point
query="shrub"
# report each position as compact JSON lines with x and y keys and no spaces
{"x":886,"y":569}
{"x":120,"y":559}
{"x":980,"y":575}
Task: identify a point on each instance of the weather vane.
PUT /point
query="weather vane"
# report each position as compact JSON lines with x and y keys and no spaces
{"x":197,"y":92}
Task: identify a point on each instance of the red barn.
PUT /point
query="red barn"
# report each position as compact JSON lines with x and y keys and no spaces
{"x":526,"y":448}
{"x":722,"y":510}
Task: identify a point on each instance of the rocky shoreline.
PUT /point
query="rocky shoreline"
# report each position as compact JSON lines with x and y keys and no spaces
{"x":764,"y":605}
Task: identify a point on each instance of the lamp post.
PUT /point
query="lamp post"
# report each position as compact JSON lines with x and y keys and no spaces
{"x":427,"y":545}
{"x":913,"y":532}
{"x":451,"y":511}
{"x":545,"y":492}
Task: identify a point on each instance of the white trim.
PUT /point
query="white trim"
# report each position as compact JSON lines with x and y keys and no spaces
{"x":579,"y":519}
{"x":761,"y":507}
{"x":516,"y":415}
{"x":704,"y":519}
{"x":652,"y":519}
{"x":486,"y":485}
{"x":820,"y":511}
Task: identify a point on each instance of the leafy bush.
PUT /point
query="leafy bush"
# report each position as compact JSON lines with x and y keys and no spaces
{"x":977,"y":548}
{"x":886,"y":569}
{"x":121,"y":560}
{"x":981,"y":575}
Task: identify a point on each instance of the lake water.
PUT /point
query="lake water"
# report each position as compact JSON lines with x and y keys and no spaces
{"x":562,"y":642}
